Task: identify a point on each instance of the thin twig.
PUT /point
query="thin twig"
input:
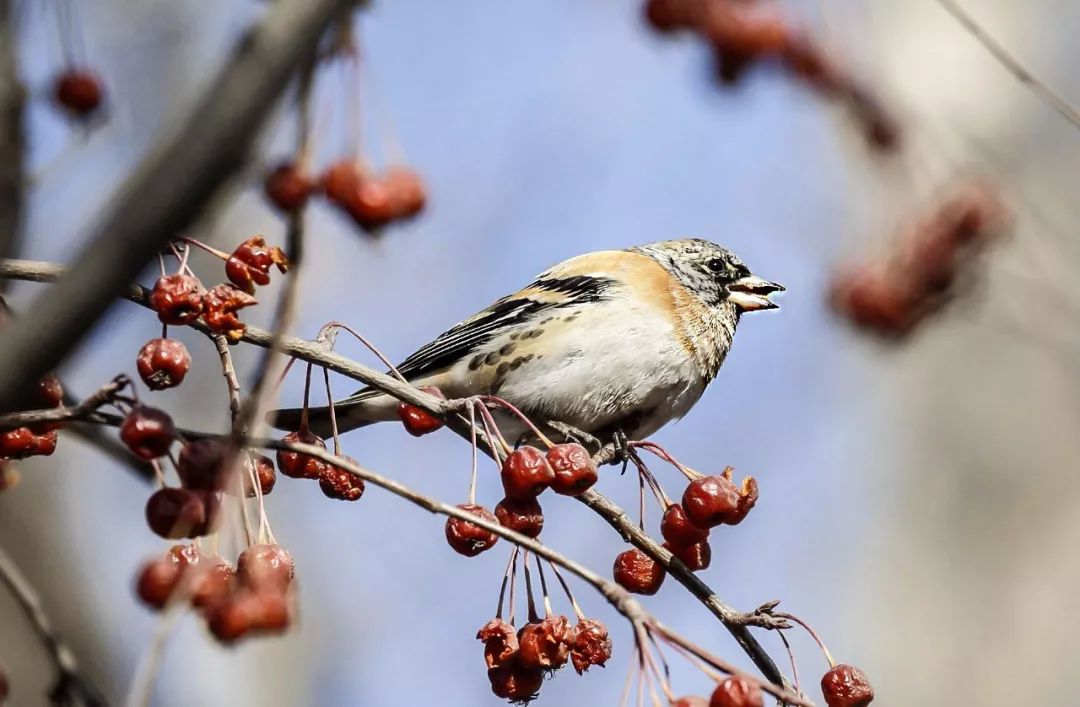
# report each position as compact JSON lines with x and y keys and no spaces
{"x":229,"y":372}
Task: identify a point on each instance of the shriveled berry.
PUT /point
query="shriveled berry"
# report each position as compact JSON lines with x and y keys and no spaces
{"x":201,"y":463}
{"x":735,"y":691}
{"x":79,"y":92}
{"x":265,"y":568}
{"x":157,"y":580}
{"x":163,"y":363}
{"x":526,"y":473}
{"x":42,"y":445}
{"x":524,"y":516}
{"x":710,"y":500}
{"x":265,"y":474}
{"x":211,"y":584}
{"x":678,"y":530}
{"x":250,"y":263}
{"x":544,"y":644}
{"x":417,"y":421}
{"x":177,"y":299}
{"x":695,"y":557}
{"x":407,"y":193}
{"x":288,"y":186}
{"x":148,"y":432}
{"x":468,"y":538}
{"x":176,"y":513}
{"x":515,"y":682}
{"x":748,"y":497}
{"x":575,"y":472}
{"x":220,"y":306}
{"x":846,"y":686}
{"x":16,"y":443}
{"x":338,"y":483}
{"x":636,"y":572}
{"x":298,"y":465}
{"x":590,"y":645}
{"x":500,"y":643}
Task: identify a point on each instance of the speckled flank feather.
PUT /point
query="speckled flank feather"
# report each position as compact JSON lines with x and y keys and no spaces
{"x":613,"y":340}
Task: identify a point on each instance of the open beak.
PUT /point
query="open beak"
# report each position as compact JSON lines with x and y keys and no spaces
{"x":752,"y":293}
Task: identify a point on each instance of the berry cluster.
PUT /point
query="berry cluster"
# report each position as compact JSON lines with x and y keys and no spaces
{"x":251,"y":598}
{"x":334,"y":481}
{"x":373,"y":200}
{"x":732,"y":691}
{"x":31,"y":440}
{"x":743,"y":33}
{"x":893,"y":297}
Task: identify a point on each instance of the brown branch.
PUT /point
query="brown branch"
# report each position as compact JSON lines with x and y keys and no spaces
{"x":228,"y":371}
{"x":166,"y":192}
{"x":71,"y":687}
{"x":1012,"y":63}
{"x":317,"y":353}
{"x":12,"y":100}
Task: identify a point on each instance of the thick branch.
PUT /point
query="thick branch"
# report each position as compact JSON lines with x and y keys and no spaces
{"x":166,"y":192}
{"x":12,"y":99}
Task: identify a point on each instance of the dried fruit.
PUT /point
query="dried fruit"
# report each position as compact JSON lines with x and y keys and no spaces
{"x":339,"y":181}
{"x":265,"y":568}
{"x":636,"y":572}
{"x":526,"y":473}
{"x":695,"y":557}
{"x":176,"y":513}
{"x":846,"y":686}
{"x":590,"y":645}
{"x":200,"y":465}
{"x":288,"y":187}
{"x":157,"y":580}
{"x":544,"y":644}
{"x":468,"y":538}
{"x":247,"y":612}
{"x":575,"y":472}
{"x":407,"y":193}
{"x":51,"y":391}
{"x":710,"y":500}
{"x":370,"y":203}
{"x":220,"y":307}
{"x":16,"y":443}
{"x":79,"y":92}
{"x":690,"y":701}
{"x":148,"y":432}
{"x":184,"y":555}
{"x":265,"y":474}
{"x":249,"y":264}
{"x":678,"y":530}
{"x":298,"y":465}
{"x":418,"y":421}
{"x":177,"y":299}
{"x":500,"y":643}
{"x":515,"y":682}
{"x":336,"y":482}
{"x":211,"y":584}
{"x":736,"y":691}
{"x":163,"y":363}
{"x":524,"y":516}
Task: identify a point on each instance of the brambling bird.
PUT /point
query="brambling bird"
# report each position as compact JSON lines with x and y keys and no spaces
{"x":611,"y":343}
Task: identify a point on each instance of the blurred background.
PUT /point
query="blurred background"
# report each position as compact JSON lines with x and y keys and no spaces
{"x":918,"y":501}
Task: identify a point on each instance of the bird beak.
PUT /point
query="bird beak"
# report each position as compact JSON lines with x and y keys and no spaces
{"x":751,"y":293}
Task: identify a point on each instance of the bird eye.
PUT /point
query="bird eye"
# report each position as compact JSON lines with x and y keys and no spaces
{"x":716,"y":265}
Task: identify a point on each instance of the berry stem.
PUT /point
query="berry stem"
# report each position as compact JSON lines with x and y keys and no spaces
{"x":513,"y":584}
{"x":472,"y":440}
{"x":544,"y":589}
{"x":367,"y":344}
{"x":791,"y":657}
{"x":491,"y":429}
{"x":333,"y":413}
{"x":813,"y":634}
{"x":506,"y":578}
{"x":208,"y":248}
{"x":533,"y":616}
{"x":654,"y":485}
{"x":520,"y":415}
{"x":566,"y":588}
{"x":663,"y":677}
{"x":307,"y":399}
{"x":663,"y":454}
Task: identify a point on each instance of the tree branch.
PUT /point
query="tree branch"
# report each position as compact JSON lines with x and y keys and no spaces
{"x":12,"y":99}
{"x":166,"y":192}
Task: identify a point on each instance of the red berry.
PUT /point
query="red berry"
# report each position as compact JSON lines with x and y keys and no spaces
{"x":500,"y":643}
{"x":288,"y":187}
{"x":176,"y":513}
{"x":575,"y":472}
{"x":846,"y":686}
{"x":418,"y":421}
{"x":710,"y":500}
{"x":544,"y":644}
{"x":163,"y":363}
{"x":735,"y":691}
{"x":245,"y":612}
{"x":51,"y":391}
{"x":669,"y":15}
{"x":211,"y":584}
{"x":339,"y":181}
{"x":526,"y":473}
{"x":407,"y":193}
{"x":515,"y":682}
{"x":695,"y":557}
{"x":637,"y":572}
{"x":220,"y":306}
{"x":877,"y":300}
{"x":184,"y":555}
{"x":370,"y":204}
{"x":467,"y":538}
{"x":177,"y":299}
{"x":250,"y":263}
{"x":678,"y":530}
{"x":148,"y":432}
{"x":265,"y":474}
{"x":265,"y":568}
{"x":78,"y":91}
{"x":589,"y":645}
{"x":200,"y":465}
{"x":157,"y":580}
{"x":338,"y":483}
{"x":748,"y":497}
{"x":16,"y":443}
{"x":297,"y":465}
{"x":690,"y":701}
{"x":525,"y":517}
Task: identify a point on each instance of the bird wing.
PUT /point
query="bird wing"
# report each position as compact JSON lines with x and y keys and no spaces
{"x":462,"y":341}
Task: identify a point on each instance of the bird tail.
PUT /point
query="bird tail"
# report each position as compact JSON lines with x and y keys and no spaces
{"x":364,"y":408}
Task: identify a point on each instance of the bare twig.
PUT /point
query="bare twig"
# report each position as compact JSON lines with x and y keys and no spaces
{"x":1012,"y":64}
{"x":167,"y":191}
{"x":104,"y":395}
{"x":71,"y":687}
{"x":228,"y":370}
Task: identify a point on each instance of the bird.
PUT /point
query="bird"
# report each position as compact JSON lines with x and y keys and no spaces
{"x":612,"y":344}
